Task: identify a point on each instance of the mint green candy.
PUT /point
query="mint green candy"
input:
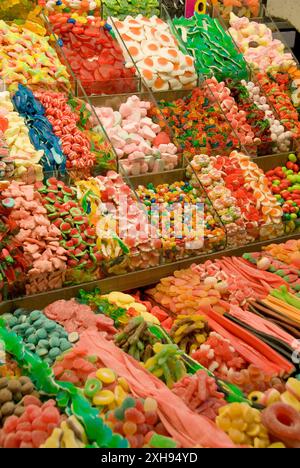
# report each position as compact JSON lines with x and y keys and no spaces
{"x":49,"y":325}
{"x":41,"y":333}
{"x":32,"y":339}
{"x":43,"y":344}
{"x":54,"y":342}
{"x":34,"y":315}
{"x":64,"y":344}
{"x":54,"y":352}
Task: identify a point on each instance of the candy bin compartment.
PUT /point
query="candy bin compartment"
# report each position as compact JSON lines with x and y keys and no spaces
{"x":197,"y":121}
{"x":183,"y":216}
{"x":241,"y":194}
{"x":149,"y":43}
{"x":94,"y":54}
{"x":142,"y":141}
{"x":121,"y":8}
{"x":254,"y":39}
{"x":206,"y":40}
{"x":124,"y":237}
{"x":248,"y":8}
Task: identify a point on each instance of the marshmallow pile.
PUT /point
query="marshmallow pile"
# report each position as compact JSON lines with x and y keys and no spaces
{"x":260,"y":49}
{"x":156,"y":54}
{"x":280,"y":137}
{"x":138,"y":141}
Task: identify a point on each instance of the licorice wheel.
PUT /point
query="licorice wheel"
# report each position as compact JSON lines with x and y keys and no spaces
{"x":283,"y":422}
{"x":92,"y":387}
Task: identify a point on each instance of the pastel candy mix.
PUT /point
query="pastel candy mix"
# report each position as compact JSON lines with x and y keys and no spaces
{"x":237,"y":117}
{"x":169,"y":197}
{"x":281,"y":138}
{"x":211,"y":47}
{"x":256,"y":42}
{"x":93,"y":54}
{"x":198,"y":125}
{"x":27,"y":58}
{"x":39,"y":238}
{"x":138,"y":141}
{"x":156,"y":53}
{"x":248,"y":8}
{"x":222,"y":198}
{"x":22,"y":154}
{"x":281,"y":101}
{"x":6,"y":164}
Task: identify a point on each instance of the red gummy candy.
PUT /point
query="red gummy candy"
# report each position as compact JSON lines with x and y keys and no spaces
{"x":10,"y":424}
{"x":39,"y":438}
{"x":151,"y":417}
{"x":133,"y":415}
{"x":24,"y":426}
{"x":26,"y":445}
{"x":50,"y":415}
{"x":11,"y":441}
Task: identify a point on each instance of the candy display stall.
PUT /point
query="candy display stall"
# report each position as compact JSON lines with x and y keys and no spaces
{"x":149,"y":227}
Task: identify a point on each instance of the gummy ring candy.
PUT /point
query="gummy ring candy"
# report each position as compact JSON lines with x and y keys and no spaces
{"x":92,"y":387}
{"x":283,"y":422}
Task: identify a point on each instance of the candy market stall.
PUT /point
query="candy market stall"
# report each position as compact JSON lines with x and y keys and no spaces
{"x":127,"y":318}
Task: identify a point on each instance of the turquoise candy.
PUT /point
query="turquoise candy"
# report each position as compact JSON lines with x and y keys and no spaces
{"x":33,"y":339}
{"x":64,"y":345}
{"x":49,"y":325}
{"x":36,"y":314}
{"x":54,"y":342}
{"x":54,"y":352}
{"x":41,"y":333}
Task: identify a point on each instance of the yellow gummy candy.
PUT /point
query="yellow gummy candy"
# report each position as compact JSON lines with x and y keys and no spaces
{"x":120,"y":395}
{"x":104,"y":398}
{"x":106,"y":375}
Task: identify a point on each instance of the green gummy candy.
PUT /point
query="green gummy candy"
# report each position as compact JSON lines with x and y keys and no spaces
{"x":42,"y":352}
{"x":29,"y":331}
{"x":39,"y":323}
{"x":54,"y":352}
{"x":18,"y":312}
{"x":43,"y":344}
{"x":64,"y":344}
{"x":42,"y":334}
{"x":36,"y":314}
{"x":33,"y":339}
{"x":7,"y":317}
{"x":159,"y":441}
{"x":128,"y":403}
{"x":49,"y":325}
{"x":54,"y":342}
{"x":12,"y":321}
{"x":280,"y":273}
{"x":119,"y":414}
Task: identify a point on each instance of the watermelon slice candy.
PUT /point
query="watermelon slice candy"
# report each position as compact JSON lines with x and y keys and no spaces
{"x":76,"y":212}
{"x":52,"y":189}
{"x":52,"y":181}
{"x":78,"y":219}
